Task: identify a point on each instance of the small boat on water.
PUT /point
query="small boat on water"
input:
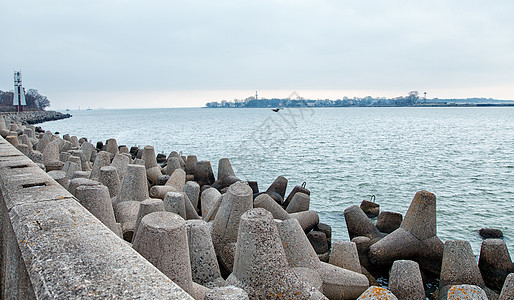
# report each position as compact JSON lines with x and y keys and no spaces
{"x":67,"y":109}
{"x":275,"y":109}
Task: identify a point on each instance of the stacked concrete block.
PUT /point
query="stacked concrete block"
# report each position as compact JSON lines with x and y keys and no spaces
{"x":192,"y":190}
{"x":299,"y":202}
{"x":388,"y":221}
{"x":226,"y":175}
{"x":60,"y":177}
{"x":126,"y":213}
{"x":203,"y":173}
{"x":175,"y":183}
{"x":121,"y":162}
{"x":277,"y":190}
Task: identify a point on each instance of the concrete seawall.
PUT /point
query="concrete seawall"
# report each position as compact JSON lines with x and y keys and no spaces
{"x":53,"y":248}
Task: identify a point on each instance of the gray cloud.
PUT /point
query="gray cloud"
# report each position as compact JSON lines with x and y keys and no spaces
{"x":67,"y":47}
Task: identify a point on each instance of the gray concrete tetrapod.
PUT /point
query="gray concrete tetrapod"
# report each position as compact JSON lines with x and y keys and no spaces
{"x":76,"y":182}
{"x":152,"y":169}
{"x":358,"y":224}
{"x":299,"y":202}
{"x":192,"y":190}
{"x":121,"y":162}
{"x":111,"y":146}
{"x":259,"y":250}
{"x":466,"y":291}
{"x":345,"y":255}
{"x":191,"y":164}
{"x":495,"y":263}
{"x":146,"y":207}
{"x":226,"y":293}
{"x":60,"y":177}
{"x":210,"y":203}
{"x":416,"y":238}
{"x":96,"y":200}
{"x":175,"y":202}
{"x":308,"y":219}
{"x":204,"y":265}
{"x":458,"y":267}
{"x":109,"y":177}
{"x":338,"y":283}
{"x":134,"y":186}
{"x":278,"y":186}
{"x":172,"y":164}
{"x":102,"y":159}
{"x":508,"y":288}
{"x":237,"y":200}
{"x":203,"y":173}
{"x":377,"y":293}
{"x":126,"y":214}
{"x":405,"y":281}
{"x":162,"y":240}
{"x":175,"y":183}
{"x":388,"y":221}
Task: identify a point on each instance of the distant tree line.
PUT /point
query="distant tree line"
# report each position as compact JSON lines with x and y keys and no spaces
{"x":411,"y":99}
{"x":34,"y":100}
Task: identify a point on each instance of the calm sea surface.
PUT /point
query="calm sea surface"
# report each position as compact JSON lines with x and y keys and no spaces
{"x":463,"y":155}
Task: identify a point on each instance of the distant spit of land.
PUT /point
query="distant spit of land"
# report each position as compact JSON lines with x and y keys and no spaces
{"x":411,"y":100}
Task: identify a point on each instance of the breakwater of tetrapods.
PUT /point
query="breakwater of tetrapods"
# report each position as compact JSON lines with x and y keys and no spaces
{"x":104,"y":220}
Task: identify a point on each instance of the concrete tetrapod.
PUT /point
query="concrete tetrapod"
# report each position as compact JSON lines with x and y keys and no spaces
{"x":162,"y":240}
{"x":308,"y":219}
{"x":299,"y":202}
{"x":175,"y":202}
{"x":111,"y":146}
{"x":226,"y":293}
{"x":191,"y":164}
{"x":203,"y":173}
{"x":109,"y":177}
{"x":416,"y":238}
{"x":388,"y":221}
{"x":508,"y":288}
{"x":237,"y":200}
{"x":152,"y":169}
{"x":126,"y":214}
{"x":466,"y":291}
{"x":134,"y":186}
{"x":120,"y":162}
{"x":76,"y":182}
{"x":226,"y":175}
{"x":345,"y":255}
{"x":175,"y":183}
{"x":96,"y":200}
{"x":277,"y":190}
{"x":260,"y":265}
{"x":405,"y":281}
{"x":495,"y":263}
{"x":102,"y":159}
{"x":204,"y":265}
{"x":60,"y":177}
{"x":192,"y":190}
{"x":146,"y":207}
{"x":359,"y":224}
{"x":458,"y":267}
{"x":377,"y":293}
{"x":338,"y":283}
{"x":210,"y":203}
{"x":172,"y":164}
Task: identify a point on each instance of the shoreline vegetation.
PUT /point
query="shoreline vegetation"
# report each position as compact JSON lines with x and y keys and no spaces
{"x":411,"y":100}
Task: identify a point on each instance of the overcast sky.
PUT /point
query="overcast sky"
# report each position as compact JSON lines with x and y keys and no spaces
{"x":124,"y":54}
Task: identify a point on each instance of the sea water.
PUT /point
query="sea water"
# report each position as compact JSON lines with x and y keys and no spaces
{"x":465,"y":156}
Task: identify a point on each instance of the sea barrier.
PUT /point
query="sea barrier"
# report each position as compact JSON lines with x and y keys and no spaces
{"x":107,"y":221}
{"x":34,"y":117}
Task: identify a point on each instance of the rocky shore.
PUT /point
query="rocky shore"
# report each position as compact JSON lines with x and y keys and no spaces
{"x":224,"y":238}
{"x":34,"y":117}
